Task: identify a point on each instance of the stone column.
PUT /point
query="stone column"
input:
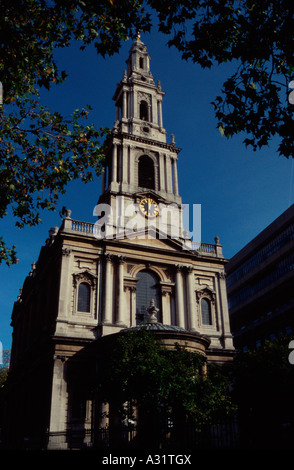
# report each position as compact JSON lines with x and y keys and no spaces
{"x":161,"y":172}
{"x":175,"y":177}
{"x":114,"y":163}
{"x":124,"y":164}
{"x":191,"y":298}
{"x":135,"y":104}
{"x":168,"y":174}
{"x":160,"y":113}
{"x":65,"y":288}
{"x":120,"y":294}
{"x":124,"y":106}
{"x":58,"y":419}
{"x":132,"y":167}
{"x":228,"y":339}
{"x":166,"y":306}
{"x":180,"y":314}
{"x":107,"y":313}
{"x":130,"y":101}
{"x":132,"y":306}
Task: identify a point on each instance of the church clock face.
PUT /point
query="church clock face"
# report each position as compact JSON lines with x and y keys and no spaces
{"x":149,"y":207}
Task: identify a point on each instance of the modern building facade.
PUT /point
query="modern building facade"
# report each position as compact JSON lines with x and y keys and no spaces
{"x":260,"y":285}
{"x":92,"y":281}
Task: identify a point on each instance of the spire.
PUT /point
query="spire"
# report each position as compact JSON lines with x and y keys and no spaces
{"x":138,"y":99}
{"x":139,"y":159}
{"x":138,"y":62}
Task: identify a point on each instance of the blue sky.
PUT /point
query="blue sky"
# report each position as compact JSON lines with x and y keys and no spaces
{"x":240,"y":191}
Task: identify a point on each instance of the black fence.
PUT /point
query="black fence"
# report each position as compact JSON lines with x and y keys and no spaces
{"x":221,"y":436}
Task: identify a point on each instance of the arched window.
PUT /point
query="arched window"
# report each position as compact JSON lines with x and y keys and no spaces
{"x":84,"y":296}
{"x":146,"y":172}
{"x":146,"y":290}
{"x":144,"y":111}
{"x":206,"y":312}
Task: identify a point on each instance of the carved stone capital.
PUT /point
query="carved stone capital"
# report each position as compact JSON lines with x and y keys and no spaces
{"x":178,"y":267}
{"x":221,"y":275}
{"x":108,"y":256}
{"x":66,"y":251}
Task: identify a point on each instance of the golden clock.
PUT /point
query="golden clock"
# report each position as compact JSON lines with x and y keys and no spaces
{"x":149,"y":207}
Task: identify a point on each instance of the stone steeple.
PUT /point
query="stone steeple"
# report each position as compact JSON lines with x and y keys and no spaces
{"x":140,"y":163}
{"x":138,"y":99}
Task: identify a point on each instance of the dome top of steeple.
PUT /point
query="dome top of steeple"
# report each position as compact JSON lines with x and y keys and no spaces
{"x":138,"y":61}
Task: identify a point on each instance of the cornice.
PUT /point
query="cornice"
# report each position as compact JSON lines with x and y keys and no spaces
{"x":144,"y":140}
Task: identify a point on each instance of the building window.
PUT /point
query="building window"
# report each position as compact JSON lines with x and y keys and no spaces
{"x":144,"y":111}
{"x":146,"y":172}
{"x":147,"y":289}
{"x":84,"y":296}
{"x":206,"y":312}
{"x":141,"y":62}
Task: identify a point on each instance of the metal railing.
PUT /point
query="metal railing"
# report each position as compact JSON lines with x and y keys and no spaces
{"x":224,"y":435}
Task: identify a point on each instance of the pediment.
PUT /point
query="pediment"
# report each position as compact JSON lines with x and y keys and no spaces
{"x":152,"y":238}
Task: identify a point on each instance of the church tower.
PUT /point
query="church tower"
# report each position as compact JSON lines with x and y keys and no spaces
{"x":94,"y":280}
{"x":140,"y":182}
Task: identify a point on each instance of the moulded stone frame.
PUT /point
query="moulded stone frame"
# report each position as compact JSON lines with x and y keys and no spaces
{"x":90,"y":279}
{"x":210,"y":295}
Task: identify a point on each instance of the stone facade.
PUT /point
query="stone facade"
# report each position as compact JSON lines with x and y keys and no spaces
{"x":85,"y":285}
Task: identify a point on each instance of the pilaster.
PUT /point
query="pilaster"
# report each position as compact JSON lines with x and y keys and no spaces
{"x":191,"y":299}
{"x":180,"y":314}
{"x":58,"y":422}
{"x":227,"y":336}
{"x":107,"y":312}
{"x":120,"y":294}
